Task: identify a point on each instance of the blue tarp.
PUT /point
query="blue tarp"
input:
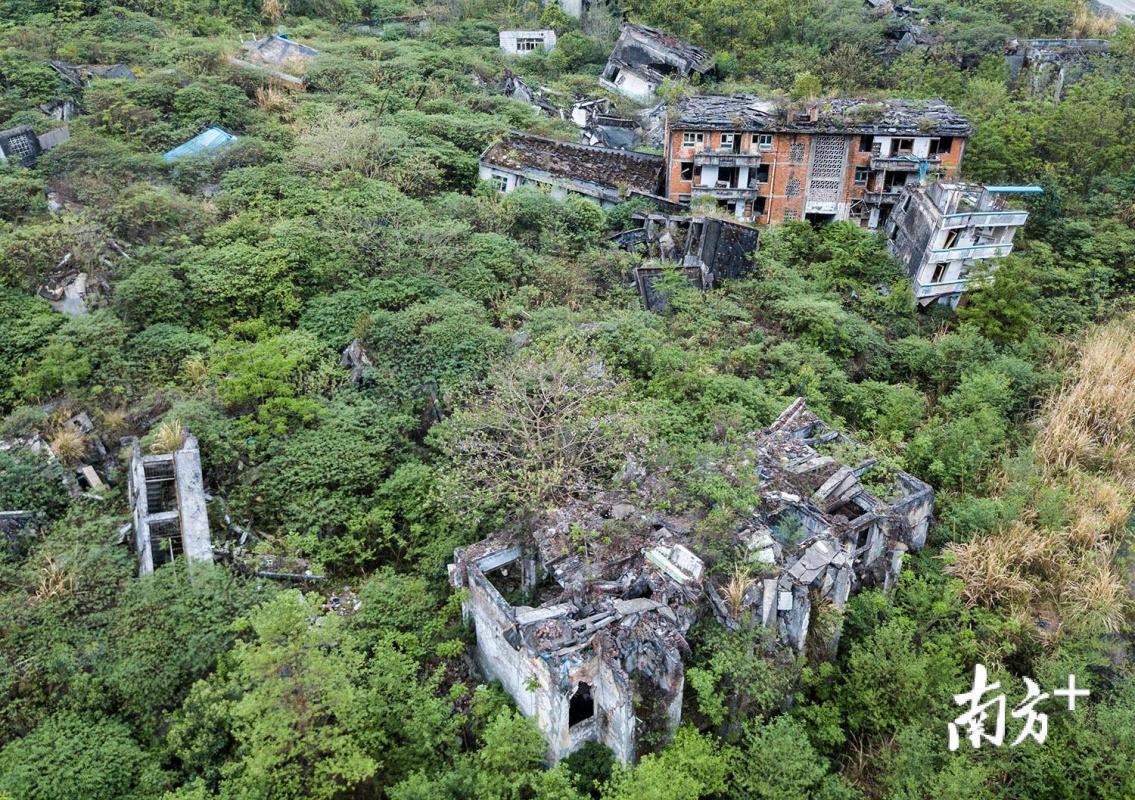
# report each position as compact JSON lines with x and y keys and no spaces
{"x":209,"y":139}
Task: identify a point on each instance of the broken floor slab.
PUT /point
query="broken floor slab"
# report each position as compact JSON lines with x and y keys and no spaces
{"x":582,"y":615}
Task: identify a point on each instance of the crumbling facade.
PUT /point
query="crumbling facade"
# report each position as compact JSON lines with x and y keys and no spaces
{"x":942,"y":233}
{"x":521,"y":43}
{"x":768,"y":162}
{"x":583,"y":616}
{"x":707,"y":249}
{"x":605,"y":174}
{"x":1042,"y":68}
{"x":644,"y":57}
{"x":167,"y":496}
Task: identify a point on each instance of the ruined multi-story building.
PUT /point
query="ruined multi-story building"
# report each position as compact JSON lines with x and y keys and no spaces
{"x":944,"y":232}
{"x":838,"y":159}
{"x":644,"y":57}
{"x":707,"y":249}
{"x":167,"y":496}
{"x":604,"y":174}
{"x":583,"y":616}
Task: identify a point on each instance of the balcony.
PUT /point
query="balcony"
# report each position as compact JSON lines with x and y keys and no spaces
{"x":925,"y":290}
{"x":726,"y":158}
{"x":985,"y":219}
{"x":881,"y":198}
{"x":904,"y":163}
{"x":722,"y":192}
{"x":975,"y":252}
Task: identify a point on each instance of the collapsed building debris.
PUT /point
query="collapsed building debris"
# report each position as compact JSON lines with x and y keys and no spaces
{"x":597,"y":126}
{"x":605,"y":174}
{"x":644,"y":57}
{"x":520,"y":43}
{"x":582,"y":617}
{"x":707,"y":249}
{"x":944,"y":232}
{"x":768,"y":161}
{"x":21,"y":145}
{"x":209,"y":140}
{"x":167,"y":496}
{"x":18,"y":530}
{"x":1042,"y":68}
{"x":513,"y":86}
{"x":80,"y":76}
{"x":276,"y":50}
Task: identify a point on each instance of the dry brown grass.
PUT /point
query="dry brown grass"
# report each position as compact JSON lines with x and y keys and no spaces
{"x":115,"y":422}
{"x":272,"y":99}
{"x":1085,"y":446}
{"x":1088,"y":25}
{"x":273,"y":10}
{"x":169,"y":437}
{"x":195,"y":369}
{"x":53,"y":580}
{"x":1089,"y":423}
{"x":735,"y":589}
{"x":69,"y":445}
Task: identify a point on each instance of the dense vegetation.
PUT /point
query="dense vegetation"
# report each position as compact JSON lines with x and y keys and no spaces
{"x":352,"y":210}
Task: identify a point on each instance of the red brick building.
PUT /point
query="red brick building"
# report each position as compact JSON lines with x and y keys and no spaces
{"x":829,"y":160}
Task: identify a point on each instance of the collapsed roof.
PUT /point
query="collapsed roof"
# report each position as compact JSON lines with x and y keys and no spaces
{"x":602,"y":591}
{"x":651,"y":56}
{"x":598,"y":166}
{"x":836,"y":115}
{"x":278,"y":49}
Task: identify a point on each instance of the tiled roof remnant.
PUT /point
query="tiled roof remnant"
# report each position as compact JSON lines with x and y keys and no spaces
{"x":602,"y":166}
{"x":838,"y":115}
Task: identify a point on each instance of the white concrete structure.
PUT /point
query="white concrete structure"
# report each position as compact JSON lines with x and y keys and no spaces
{"x":944,"y":232}
{"x":521,"y":43}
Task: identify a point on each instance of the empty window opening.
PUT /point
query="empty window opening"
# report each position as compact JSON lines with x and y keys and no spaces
{"x":161,"y":488}
{"x":903,"y":146}
{"x":582,"y":706}
{"x":165,"y":542}
{"x":687,"y":173}
{"x":728,"y":177}
{"x":939,"y":273}
{"x":761,"y":173}
{"x":528,"y":45}
{"x":731,"y":142}
{"x":951,"y":238}
{"x":941,"y":146}
{"x":861,"y":174}
{"x":865,"y":143}
{"x":759,"y":206}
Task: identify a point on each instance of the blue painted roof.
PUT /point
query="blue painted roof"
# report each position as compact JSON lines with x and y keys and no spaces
{"x":209,"y":139}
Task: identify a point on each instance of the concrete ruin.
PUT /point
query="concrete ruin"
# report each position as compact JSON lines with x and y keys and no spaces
{"x":515,"y":87}
{"x":271,"y":54}
{"x":521,"y":43}
{"x":579,"y":8}
{"x":644,"y":57}
{"x":604,"y":174}
{"x":707,"y":249}
{"x":583,"y":615}
{"x":1043,"y":68}
{"x":167,"y":496}
{"x":598,"y":127}
{"x":21,"y":145}
{"x":944,"y":232}
{"x":79,"y":76}
{"x":766,"y":160}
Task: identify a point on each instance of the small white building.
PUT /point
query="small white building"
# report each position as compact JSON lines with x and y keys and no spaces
{"x":521,"y":43}
{"x":944,"y":232}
